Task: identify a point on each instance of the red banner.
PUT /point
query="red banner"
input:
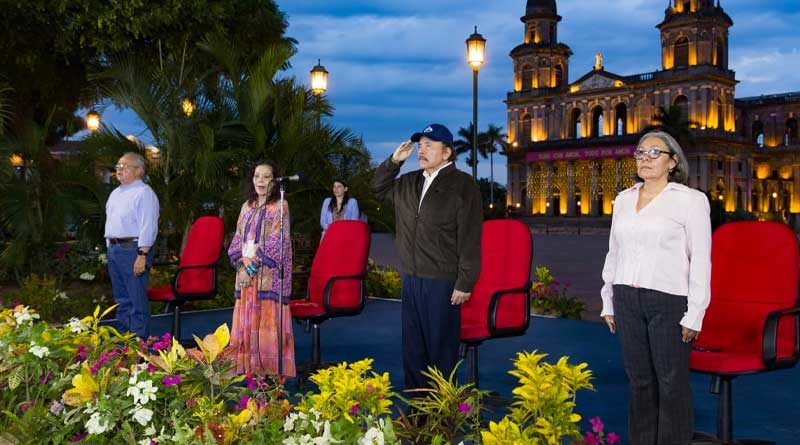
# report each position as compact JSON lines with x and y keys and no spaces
{"x":581,"y":153}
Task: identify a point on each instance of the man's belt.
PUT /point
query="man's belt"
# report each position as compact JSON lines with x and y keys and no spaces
{"x":122,"y":240}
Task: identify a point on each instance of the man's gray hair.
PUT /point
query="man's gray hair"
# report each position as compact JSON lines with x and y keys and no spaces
{"x":678,"y":174}
{"x":137,"y":159}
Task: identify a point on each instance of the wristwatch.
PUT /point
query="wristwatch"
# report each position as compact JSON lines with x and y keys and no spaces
{"x":141,"y":252}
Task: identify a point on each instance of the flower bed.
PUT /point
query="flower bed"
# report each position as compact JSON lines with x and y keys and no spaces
{"x":86,"y":383}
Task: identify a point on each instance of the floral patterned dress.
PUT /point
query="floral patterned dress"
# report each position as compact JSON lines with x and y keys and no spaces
{"x":254,"y":336}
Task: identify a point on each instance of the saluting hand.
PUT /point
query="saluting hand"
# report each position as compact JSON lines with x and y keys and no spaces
{"x":402,"y":152}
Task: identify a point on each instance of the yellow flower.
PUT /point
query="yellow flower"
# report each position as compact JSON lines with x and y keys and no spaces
{"x":85,"y":388}
{"x":240,"y":419}
{"x":214,"y":343}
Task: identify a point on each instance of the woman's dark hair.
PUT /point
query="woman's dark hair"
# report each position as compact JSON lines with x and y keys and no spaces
{"x":252,"y":196}
{"x":332,"y":204}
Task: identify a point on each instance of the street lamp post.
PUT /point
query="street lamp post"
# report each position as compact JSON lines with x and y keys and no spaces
{"x":476,"y":46}
{"x":92,"y":121}
{"x":319,"y":84}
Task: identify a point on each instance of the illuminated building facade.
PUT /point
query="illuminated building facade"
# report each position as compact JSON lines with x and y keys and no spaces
{"x":572,"y":142}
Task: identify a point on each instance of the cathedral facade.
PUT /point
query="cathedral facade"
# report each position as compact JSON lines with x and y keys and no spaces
{"x":572,"y":143}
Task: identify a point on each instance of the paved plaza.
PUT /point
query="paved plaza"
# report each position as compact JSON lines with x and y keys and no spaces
{"x":573,"y":259}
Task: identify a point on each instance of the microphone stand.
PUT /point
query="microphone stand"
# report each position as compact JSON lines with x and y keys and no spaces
{"x":280,"y":282}
{"x":280,"y":272}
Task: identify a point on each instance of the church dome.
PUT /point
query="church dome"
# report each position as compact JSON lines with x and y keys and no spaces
{"x":541,"y":7}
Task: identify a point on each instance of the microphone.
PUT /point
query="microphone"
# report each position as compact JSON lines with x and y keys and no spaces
{"x":293,"y":178}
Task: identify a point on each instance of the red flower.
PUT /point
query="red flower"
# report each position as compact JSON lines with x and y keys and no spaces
{"x":597,"y":424}
{"x":613,"y":438}
{"x":591,"y":439}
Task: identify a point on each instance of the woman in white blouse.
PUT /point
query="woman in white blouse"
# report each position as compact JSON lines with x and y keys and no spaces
{"x":657,"y":279}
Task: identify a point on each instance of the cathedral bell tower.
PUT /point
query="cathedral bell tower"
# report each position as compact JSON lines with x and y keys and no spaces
{"x":541,"y":63}
{"x":694,"y":32}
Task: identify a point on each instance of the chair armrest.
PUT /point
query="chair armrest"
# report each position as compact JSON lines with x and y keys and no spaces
{"x":494,"y":304}
{"x":195,"y":296}
{"x":770,"y":339}
{"x":327,"y":294}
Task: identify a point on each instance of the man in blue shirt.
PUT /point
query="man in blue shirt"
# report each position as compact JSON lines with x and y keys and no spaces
{"x":131,"y":228}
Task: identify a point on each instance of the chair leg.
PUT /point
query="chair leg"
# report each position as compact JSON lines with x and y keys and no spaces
{"x":316,"y":355}
{"x":472,"y":363}
{"x":724,"y":408}
{"x":176,"y":322}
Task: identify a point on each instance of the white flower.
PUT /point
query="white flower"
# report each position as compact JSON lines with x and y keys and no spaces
{"x":61,"y":295}
{"x":142,"y":415}
{"x":86,"y":276}
{"x":151,"y":431}
{"x":97,"y":425}
{"x":147,"y":392}
{"x":145,"y":441}
{"x":76,"y":326}
{"x":22,"y":315}
{"x":288,"y":424}
{"x":103,"y":258}
{"x":39,"y":351}
{"x":373,"y":436}
{"x":326,"y":438}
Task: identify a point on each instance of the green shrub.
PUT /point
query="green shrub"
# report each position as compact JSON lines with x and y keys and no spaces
{"x":382,"y":281}
{"x":549,"y":297}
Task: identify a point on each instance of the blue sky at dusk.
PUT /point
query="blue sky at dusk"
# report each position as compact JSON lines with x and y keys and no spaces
{"x":397,"y":65}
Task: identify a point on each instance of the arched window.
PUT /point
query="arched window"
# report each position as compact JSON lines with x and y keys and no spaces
{"x":527,"y":78}
{"x":683,"y":104}
{"x":755,"y":203}
{"x":578,"y":202}
{"x":621,"y":115}
{"x":791,"y":131}
{"x":597,"y":122}
{"x":574,"y":129}
{"x":559,"y":76}
{"x":681,"y":51}
{"x":739,"y":198}
{"x":719,"y":54}
{"x":556,"y":201}
{"x":758,"y":133}
{"x":525,"y":133}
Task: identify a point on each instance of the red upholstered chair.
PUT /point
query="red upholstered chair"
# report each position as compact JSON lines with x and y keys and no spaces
{"x":336,"y":285}
{"x":196,"y":278}
{"x":500,"y":301}
{"x":753,"y":322}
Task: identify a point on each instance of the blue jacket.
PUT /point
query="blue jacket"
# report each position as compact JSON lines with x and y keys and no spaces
{"x":351,"y":212}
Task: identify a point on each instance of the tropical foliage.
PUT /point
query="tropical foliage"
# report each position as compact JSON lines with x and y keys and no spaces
{"x":550,"y":297}
{"x":544,"y":402}
{"x":84,"y":382}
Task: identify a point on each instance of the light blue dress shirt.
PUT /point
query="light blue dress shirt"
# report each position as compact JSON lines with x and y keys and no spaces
{"x":132,"y":212}
{"x":351,"y":212}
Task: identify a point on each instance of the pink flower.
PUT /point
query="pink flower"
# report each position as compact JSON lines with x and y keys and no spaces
{"x":251,"y":382}
{"x":82,"y":352}
{"x":26,"y":406}
{"x":463,"y":407}
{"x":171,"y":380}
{"x":242,"y":403}
{"x":613,"y":438}
{"x":78,"y":437}
{"x":354,"y":409}
{"x":591,"y":439}
{"x":191,"y":403}
{"x":151,"y":368}
{"x":597,"y":424}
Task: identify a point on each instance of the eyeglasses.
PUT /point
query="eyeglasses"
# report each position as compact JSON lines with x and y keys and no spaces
{"x":120,"y":166}
{"x":652,"y":153}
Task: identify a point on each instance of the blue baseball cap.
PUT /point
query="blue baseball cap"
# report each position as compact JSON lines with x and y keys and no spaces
{"x":435,"y":132}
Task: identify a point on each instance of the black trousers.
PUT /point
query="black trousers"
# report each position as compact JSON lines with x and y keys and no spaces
{"x":657,"y":363}
{"x":431,"y":328}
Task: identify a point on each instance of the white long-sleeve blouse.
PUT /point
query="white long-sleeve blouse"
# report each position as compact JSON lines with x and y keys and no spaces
{"x":666,"y":246}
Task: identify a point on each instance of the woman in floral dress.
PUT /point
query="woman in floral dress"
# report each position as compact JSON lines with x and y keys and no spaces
{"x":255,"y":254}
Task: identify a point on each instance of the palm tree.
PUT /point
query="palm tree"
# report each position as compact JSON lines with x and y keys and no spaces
{"x":493,"y":138}
{"x":671,"y":120}
{"x":464,"y":144}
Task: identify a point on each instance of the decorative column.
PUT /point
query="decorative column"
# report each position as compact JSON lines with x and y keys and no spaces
{"x":549,"y":189}
{"x":595,"y":204}
{"x":571,"y":188}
